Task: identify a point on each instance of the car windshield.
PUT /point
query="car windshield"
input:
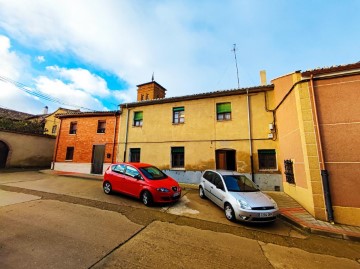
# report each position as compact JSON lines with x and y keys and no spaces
{"x":239,"y":183}
{"x":151,"y":172}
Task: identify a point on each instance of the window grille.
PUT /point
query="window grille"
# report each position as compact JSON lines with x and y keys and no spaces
{"x":289,"y":171}
{"x":135,"y":155}
{"x":267,"y":159}
{"x":177,"y":157}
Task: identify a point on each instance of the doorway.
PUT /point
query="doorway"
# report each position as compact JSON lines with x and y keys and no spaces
{"x":98,"y":159}
{"x":225,"y":159}
{"x":4,"y":151}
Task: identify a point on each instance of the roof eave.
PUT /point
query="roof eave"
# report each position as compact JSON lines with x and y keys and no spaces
{"x":200,"y":96}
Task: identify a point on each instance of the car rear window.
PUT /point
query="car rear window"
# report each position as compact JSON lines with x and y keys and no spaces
{"x":151,"y":172}
{"x":118,"y":168}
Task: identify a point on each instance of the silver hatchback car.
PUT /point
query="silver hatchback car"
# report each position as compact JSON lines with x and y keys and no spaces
{"x":240,"y":198}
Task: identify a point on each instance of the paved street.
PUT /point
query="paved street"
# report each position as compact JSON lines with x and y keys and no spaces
{"x":49,"y":221}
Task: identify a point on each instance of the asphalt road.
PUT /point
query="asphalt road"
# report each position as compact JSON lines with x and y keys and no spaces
{"x":49,"y":221}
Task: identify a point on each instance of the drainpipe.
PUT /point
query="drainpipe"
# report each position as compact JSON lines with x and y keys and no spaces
{"x":324,"y":172}
{"x":113,"y":150}
{"x":250,"y":138}
{"x":126,"y":132}
{"x":56,"y":146}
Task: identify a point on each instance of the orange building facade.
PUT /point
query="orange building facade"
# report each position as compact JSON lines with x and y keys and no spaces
{"x":318,"y":122}
{"x":86,"y":141}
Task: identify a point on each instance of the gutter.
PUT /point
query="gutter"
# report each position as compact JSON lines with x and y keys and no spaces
{"x":250,"y":138}
{"x":113,"y":150}
{"x":126,"y":132}
{"x":56,"y":146}
{"x":324,"y":172}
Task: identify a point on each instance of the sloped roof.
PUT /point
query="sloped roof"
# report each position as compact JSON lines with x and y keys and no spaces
{"x":331,"y":69}
{"x":76,"y":114}
{"x":200,"y":96}
{"x":13,"y":114}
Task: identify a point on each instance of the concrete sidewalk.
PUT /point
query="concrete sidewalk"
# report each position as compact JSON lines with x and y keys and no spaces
{"x":290,"y":211}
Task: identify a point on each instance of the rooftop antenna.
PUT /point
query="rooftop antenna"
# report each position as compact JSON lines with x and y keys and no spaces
{"x":237,"y":70}
{"x":152,"y":78}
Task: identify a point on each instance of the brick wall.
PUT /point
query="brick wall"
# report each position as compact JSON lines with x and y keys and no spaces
{"x":86,"y":136}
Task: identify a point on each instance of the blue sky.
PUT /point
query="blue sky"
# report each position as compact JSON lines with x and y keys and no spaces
{"x":93,"y":53}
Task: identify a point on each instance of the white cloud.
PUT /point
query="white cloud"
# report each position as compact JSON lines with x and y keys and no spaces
{"x":15,"y":68}
{"x":82,"y":79}
{"x":80,"y":90}
{"x":187,"y":44}
{"x":67,"y":93}
{"x":40,"y":59}
{"x":131,"y":39}
{"x":125,"y":96}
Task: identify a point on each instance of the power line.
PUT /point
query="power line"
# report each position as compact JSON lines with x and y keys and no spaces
{"x":39,"y":94}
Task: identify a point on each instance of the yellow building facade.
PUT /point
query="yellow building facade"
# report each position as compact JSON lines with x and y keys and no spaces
{"x":186,"y":135}
{"x":52,"y":123}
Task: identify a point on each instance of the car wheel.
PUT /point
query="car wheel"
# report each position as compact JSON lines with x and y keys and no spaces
{"x":107,"y":187}
{"x":229,"y":212}
{"x":146,"y":198}
{"x":202,"y":193}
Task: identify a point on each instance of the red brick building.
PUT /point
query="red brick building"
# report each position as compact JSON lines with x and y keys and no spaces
{"x":86,"y":142}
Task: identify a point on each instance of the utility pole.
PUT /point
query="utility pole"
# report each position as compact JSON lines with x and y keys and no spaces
{"x":237,"y":70}
{"x":249,"y":119}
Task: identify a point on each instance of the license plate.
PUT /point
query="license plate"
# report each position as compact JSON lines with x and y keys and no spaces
{"x":266,"y":215}
{"x":176,"y":194}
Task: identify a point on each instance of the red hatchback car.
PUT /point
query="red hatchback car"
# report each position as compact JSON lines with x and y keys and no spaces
{"x":143,"y":181}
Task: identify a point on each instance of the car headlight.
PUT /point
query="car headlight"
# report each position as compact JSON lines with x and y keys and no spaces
{"x":162,"y":189}
{"x":243,"y":204}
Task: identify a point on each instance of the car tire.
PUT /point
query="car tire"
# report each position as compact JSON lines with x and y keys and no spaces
{"x":146,"y":198}
{"x":229,"y":212}
{"x":202,"y":193}
{"x":107,"y":187}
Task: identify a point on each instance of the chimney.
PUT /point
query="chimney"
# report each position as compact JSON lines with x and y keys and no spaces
{"x":46,"y":110}
{"x":263,"y":78}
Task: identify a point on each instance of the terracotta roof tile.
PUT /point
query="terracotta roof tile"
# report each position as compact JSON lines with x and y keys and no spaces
{"x":13,"y":114}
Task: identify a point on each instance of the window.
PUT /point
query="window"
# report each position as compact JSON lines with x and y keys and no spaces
{"x":73,"y":127}
{"x":177,"y":157}
{"x":101,"y":126}
{"x":135,"y":155}
{"x":147,"y":96}
{"x":138,"y":118}
{"x":218,"y":182}
{"x":118,"y":168}
{"x":142,"y":97}
{"x":178,"y":115}
{"x":289,"y":171}
{"x":69,"y":153}
{"x":53,"y":131}
{"x":267,"y":159}
{"x":223,"y":111}
{"x":132,"y":172}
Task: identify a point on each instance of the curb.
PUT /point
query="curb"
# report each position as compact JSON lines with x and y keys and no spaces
{"x":281,"y":215}
{"x":318,"y":231}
